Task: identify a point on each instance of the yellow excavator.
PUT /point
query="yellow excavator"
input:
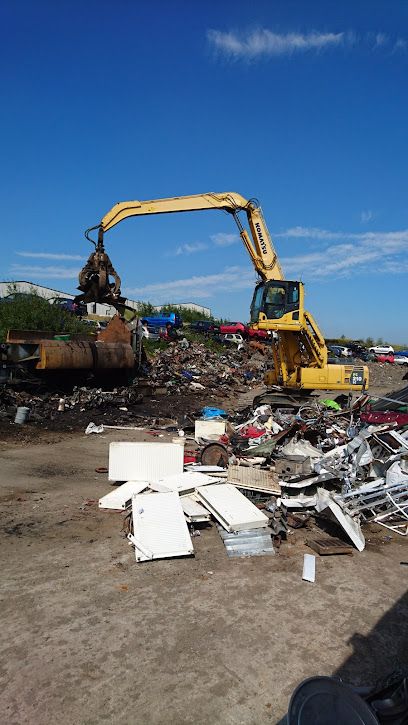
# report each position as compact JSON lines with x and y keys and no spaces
{"x":299,"y":353}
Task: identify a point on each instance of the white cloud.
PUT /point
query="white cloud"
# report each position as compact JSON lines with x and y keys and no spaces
{"x":357,"y":253}
{"x":224,"y":240}
{"x":190,"y":248}
{"x":265,"y":43}
{"x":367,"y":253}
{"x":259,"y":43}
{"x":43,"y":272}
{"x":366,"y":216}
{"x":196,"y":287}
{"x":309,"y":233}
{"x":381,"y":39}
{"x":51,"y":255}
{"x":400,"y":45}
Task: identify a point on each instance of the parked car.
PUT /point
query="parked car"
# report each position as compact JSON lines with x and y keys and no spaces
{"x":400,"y":359}
{"x":151,"y":333}
{"x":65,"y":303}
{"x":257,"y":334}
{"x":233,"y":338}
{"x":162,"y":318}
{"x":403,"y":353}
{"x":385,"y":358}
{"x":231,"y":327}
{"x":204,"y":326}
{"x":340,"y":350}
{"x":382,"y":349}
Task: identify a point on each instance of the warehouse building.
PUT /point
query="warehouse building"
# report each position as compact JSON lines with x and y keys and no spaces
{"x":49,"y":293}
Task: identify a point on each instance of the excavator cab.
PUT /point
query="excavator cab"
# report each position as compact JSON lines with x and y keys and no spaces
{"x":277,"y":300}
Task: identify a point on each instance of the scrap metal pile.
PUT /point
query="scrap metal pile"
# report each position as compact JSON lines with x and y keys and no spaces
{"x":261,"y":474}
{"x":185,"y":366}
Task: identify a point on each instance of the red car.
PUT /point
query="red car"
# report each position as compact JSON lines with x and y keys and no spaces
{"x":257,"y":334}
{"x":386,"y":358}
{"x":234,"y":327}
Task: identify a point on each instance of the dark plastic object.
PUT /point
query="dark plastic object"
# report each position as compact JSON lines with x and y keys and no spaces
{"x":214,"y":454}
{"x":325,"y":701}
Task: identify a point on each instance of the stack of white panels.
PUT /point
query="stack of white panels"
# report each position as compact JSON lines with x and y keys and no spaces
{"x":194,"y":511}
{"x":230,"y":507}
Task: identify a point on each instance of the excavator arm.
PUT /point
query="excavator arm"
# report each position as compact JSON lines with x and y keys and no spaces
{"x":260,"y":248}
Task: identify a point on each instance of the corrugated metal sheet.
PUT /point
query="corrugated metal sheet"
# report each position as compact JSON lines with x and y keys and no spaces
{"x":393,"y":401}
{"x":255,"y":542}
{"x":160,"y":529}
{"x":144,"y":461}
{"x":121,"y":496}
{"x":194,"y":511}
{"x":230,"y":507}
{"x":185,"y":482}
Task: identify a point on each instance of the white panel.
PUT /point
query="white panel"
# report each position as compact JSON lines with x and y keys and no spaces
{"x":309,"y":567}
{"x":193,"y":510}
{"x":230,"y":507}
{"x":160,"y":529}
{"x":184,"y":482}
{"x":351,"y":526}
{"x":121,"y":496}
{"x":144,"y":461}
{"x":211,"y":470}
{"x":209,"y":429}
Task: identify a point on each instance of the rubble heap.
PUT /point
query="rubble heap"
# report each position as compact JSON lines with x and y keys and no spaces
{"x":193,"y":366}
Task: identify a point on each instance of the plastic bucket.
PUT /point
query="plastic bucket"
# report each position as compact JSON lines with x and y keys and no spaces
{"x":22,"y":415}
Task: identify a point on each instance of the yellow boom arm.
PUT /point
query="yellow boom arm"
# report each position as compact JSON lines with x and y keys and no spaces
{"x":260,"y":248}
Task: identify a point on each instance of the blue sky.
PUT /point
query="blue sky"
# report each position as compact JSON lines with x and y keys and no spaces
{"x":303,"y":105}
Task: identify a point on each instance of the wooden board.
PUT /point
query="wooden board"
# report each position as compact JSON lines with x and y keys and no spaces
{"x":328,"y":547}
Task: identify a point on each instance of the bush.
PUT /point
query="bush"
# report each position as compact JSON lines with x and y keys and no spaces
{"x":33,"y":312}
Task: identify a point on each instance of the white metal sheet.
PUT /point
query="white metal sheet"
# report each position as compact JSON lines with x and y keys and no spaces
{"x":194,"y":511}
{"x":185,"y":482}
{"x":231,"y":508}
{"x":209,"y":429}
{"x":121,"y":496}
{"x":211,"y":470}
{"x":351,"y":526}
{"x":144,"y":461}
{"x":309,"y":568}
{"x":160,"y":529}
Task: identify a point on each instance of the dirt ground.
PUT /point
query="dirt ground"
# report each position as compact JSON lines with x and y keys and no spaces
{"x":88,"y":636}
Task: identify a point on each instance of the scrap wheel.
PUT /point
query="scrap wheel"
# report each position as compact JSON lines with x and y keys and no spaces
{"x":282,"y":398}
